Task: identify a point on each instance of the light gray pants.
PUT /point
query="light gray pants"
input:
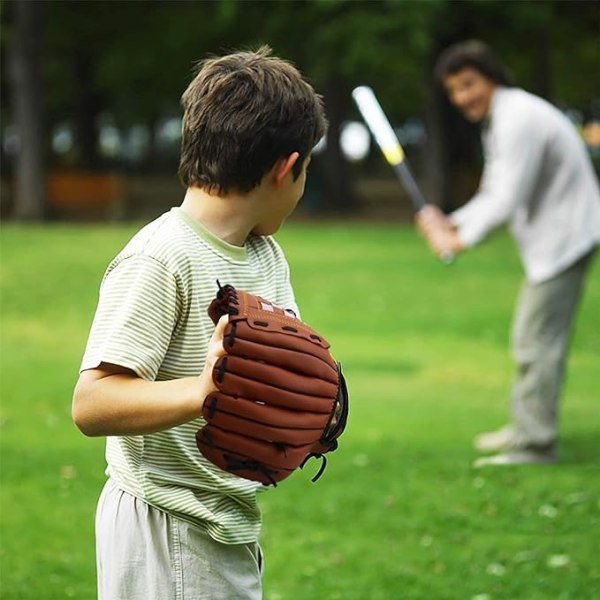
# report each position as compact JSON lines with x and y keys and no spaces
{"x":540,"y":338}
{"x":143,"y":553}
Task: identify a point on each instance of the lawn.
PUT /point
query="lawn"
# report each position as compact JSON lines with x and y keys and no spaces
{"x":399,"y":513}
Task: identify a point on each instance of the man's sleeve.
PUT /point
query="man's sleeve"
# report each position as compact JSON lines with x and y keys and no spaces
{"x":135,"y":318}
{"x":514,"y":154}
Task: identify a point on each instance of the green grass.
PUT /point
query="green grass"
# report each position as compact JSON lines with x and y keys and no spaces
{"x":399,"y":512}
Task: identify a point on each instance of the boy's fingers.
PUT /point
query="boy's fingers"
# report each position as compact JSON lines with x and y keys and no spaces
{"x":216,"y":342}
{"x":222,"y":323}
{"x":220,"y":328}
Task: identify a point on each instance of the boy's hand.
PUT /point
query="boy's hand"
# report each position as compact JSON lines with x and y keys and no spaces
{"x":215,"y":351}
{"x":438,"y":230}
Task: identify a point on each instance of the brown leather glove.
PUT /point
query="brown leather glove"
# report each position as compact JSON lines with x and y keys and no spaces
{"x":281,"y":397}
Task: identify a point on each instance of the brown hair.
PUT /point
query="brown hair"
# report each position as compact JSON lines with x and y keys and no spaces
{"x":243,"y":112}
{"x":475,"y":55}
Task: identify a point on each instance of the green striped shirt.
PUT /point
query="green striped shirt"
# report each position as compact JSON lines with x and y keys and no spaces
{"x":151,"y":318}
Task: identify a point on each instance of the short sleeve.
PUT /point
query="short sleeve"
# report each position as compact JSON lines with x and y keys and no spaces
{"x":135,"y":317}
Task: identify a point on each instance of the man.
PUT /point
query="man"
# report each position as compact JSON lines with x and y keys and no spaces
{"x":539,"y":180}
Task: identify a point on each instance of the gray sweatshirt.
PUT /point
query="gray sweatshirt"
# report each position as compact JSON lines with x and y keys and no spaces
{"x":538,"y":178}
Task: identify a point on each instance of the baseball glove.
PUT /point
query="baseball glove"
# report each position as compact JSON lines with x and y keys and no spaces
{"x":281,"y":396}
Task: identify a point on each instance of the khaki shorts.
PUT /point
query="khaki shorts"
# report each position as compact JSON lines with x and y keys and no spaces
{"x":145,"y":554}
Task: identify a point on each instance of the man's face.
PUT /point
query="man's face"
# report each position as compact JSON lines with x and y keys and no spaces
{"x":471,"y":92}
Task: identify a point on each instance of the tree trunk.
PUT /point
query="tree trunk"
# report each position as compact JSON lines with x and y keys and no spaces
{"x":543,"y":65}
{"x":436,"y":171}
{"x":338,"y":195}
{"x":87,"y":109}
{"x":27,"y":112}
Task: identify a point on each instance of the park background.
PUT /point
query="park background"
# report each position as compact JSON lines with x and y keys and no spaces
{"x":90,"y":137}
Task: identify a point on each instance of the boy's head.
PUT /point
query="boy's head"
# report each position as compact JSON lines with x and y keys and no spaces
{"x":470,"y":72}
{"x":243,"y":112}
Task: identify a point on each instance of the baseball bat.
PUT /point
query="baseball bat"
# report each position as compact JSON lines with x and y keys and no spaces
{"x":390,"y":146}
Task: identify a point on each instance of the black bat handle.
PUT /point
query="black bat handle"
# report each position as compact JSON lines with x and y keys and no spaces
{"x":417,"y":199}
{"x":410,"y":185}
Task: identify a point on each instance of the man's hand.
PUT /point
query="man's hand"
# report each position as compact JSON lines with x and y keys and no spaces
{"x":439,"y":232}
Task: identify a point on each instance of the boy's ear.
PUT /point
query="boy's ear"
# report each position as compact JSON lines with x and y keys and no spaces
{"x":283,"y":166}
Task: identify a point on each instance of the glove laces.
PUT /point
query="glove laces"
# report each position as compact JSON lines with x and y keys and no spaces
{"x":321,"y":468}
{"x":235,"y":464}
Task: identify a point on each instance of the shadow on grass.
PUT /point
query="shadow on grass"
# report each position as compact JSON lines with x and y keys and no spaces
{"x":580,"y":448}
{"x":390,"y":365}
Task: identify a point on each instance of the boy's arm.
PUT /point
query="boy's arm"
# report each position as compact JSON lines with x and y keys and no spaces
{"x":112,"y":400}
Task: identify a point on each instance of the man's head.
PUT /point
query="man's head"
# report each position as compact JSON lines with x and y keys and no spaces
{"x":242,"y":113}
{"x":470,"y":72}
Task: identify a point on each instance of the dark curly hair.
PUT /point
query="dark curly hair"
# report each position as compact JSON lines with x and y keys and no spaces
{"x":472,"y":54}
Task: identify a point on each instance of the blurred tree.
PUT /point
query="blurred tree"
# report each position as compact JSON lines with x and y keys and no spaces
{"x":138,"y":65}
{"x":132,"y":61}
{"x":24,"y":58}
{"x":133,"y":64}
{"x":79,"y":39}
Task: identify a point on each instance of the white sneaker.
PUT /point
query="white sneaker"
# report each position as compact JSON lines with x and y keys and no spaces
{"x":501,"y":440}
{"x":524,"y":457}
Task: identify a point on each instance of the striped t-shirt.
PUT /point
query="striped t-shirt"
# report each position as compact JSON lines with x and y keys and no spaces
{"x":151,"y":318}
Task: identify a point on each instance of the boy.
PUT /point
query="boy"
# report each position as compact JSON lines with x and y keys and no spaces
{"x":539,"y":179}
{"x":169,"y":524}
